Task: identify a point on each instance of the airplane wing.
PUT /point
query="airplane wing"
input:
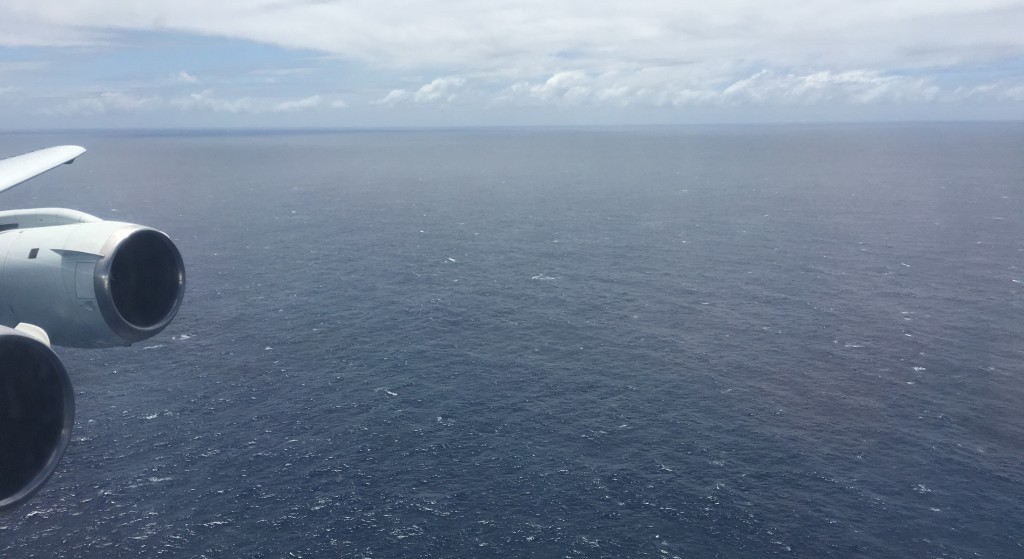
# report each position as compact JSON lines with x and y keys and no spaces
{"x":75,"y":280}
{"x":16,"y":170}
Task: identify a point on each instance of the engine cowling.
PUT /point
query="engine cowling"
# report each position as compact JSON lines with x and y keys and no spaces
{"x":37,"y":412}
{"x":87,"y":282}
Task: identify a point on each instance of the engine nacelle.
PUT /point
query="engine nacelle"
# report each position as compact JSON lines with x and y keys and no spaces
{"x":37,"y":411}
{"x":85,"y":281}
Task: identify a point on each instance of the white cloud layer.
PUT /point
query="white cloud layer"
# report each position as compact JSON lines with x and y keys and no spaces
{"x":556,"y":53}
{"x":762,"y":88}
{"x":524,"y":33}
{"x":576,"y":89}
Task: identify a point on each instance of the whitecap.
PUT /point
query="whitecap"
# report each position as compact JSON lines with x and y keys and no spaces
{"x":215,"y":523}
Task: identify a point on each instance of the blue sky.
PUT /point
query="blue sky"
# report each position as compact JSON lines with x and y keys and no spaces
{"x":357,"y":63}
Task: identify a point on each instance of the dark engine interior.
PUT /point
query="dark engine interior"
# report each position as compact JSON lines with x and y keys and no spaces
{"x":146,"y":279}
{"x":36,"y":415}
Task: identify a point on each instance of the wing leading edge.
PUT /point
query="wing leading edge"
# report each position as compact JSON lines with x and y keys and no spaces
{"x":16,"y":170}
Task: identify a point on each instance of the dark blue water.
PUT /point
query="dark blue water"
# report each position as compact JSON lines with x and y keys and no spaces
{"x":707,"y":342}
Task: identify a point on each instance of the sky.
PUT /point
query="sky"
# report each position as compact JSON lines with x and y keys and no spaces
{"x":400,"y":63}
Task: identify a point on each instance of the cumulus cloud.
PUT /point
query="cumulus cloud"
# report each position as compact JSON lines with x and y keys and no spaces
{"x":571,"y":86}
{"x":440,"y":90}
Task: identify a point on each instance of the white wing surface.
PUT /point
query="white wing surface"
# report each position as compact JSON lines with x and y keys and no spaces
{"x":16,"y":170}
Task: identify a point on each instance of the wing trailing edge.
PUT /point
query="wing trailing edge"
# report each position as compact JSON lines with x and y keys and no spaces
{"x":18,"y":169}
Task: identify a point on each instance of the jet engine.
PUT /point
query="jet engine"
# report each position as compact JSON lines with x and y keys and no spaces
{"x":79,"y":281}
{"x":85,"y":281}
{"x":37,"y":410}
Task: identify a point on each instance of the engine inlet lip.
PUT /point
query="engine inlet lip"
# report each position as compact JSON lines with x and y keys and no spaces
{"x":127,"y":330}
{"x":68,"y":422}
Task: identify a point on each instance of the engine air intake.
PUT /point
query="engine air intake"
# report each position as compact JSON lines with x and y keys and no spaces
{"x":37,"y":409}
{"x":140,"y":283}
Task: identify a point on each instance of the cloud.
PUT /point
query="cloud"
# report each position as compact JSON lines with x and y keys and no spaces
{"x":106,"y":102}
{"x":571,"y":86}
{"x":185,"y":77}
{"x":765,"y":87}
{"x":120,"y":102}
{"x":528,"y":53}
{"x":522,"y":34}
{"x":298,"y":104}
{"x":1013,"y":93}
{"x":854,"y":86}
{"x":543,"y":34}
{"x":24,"y":25}
{"x":440,"y":90}
{"x":207,"y":101}
{"x":998,"y":91}
{"x":394,"y":96}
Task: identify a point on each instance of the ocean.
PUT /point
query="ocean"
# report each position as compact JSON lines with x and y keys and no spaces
{"x":735,"y":341}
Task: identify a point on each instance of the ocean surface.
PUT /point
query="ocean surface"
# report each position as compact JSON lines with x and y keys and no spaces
{"x":785,"y":341}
